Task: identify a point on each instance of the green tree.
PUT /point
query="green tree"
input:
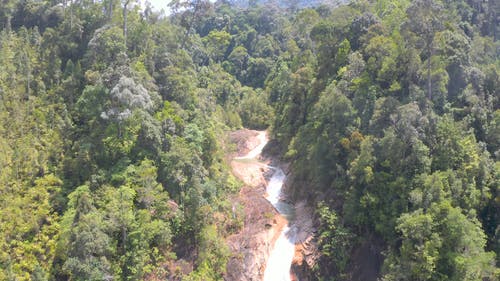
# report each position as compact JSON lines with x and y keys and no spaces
{"x":424,"y":20}
{"x":88,"y":245}
{"x":442,"y":242}
{"x":217,"y":43}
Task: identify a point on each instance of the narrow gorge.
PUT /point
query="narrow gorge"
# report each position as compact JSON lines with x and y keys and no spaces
{"x":266,"y":247}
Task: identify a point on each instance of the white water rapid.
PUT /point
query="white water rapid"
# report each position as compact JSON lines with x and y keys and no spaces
{"x":280,"y":259}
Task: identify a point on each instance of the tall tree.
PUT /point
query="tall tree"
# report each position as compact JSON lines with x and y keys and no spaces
{"x":425,"y":19}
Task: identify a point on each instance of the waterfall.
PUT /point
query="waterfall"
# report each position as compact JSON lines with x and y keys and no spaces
{"x":280,"y":259}
{"x":281,"y":256}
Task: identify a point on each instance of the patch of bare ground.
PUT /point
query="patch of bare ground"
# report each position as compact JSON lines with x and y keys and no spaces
{"x":245,"y":140}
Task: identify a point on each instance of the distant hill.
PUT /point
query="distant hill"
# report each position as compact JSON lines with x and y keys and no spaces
{"x":287,"y":3}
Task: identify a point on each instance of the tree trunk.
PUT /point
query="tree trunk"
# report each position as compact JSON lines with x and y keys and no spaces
{"x":190,"y":24}
{"x":123,"y":225}
{"x":71,"y":15}
{"x":28,"y":76}
{"x":429,"y":82}
{"x":124,"y":239}
{"x":110,"y":10}
{"x":8,"y":23}
{"x":125,"y":12}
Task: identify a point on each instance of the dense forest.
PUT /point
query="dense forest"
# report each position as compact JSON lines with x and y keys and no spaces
{"x":113,"y":117}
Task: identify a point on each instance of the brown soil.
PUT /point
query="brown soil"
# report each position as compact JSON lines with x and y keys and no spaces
{"x":262,"y":224}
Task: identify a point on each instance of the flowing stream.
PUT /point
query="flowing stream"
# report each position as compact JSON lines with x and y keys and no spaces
{"x":280,"y":260}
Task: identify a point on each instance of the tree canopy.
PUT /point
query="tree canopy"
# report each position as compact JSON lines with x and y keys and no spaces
{"x":112,"y":117}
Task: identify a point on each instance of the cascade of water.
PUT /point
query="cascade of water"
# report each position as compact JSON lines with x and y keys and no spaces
{"x":280,"y":259}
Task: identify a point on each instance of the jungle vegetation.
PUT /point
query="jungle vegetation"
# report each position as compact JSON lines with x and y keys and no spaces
{"x":112,"y":117}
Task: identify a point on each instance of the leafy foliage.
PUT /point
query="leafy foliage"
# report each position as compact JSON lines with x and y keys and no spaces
{"x":111,"y":117}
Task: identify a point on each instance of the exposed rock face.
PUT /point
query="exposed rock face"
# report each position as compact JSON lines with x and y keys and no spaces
{"x":262,"y":224}
{"x":252,"y":246}
{"x":306,"y":250}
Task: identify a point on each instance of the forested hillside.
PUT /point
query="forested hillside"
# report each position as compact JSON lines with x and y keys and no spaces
{"x":391,"y":121}
{"x":113,"y":121}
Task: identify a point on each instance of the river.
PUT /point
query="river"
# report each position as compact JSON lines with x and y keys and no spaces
{"x":281,"y":256}
{"x":280,"y":259}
